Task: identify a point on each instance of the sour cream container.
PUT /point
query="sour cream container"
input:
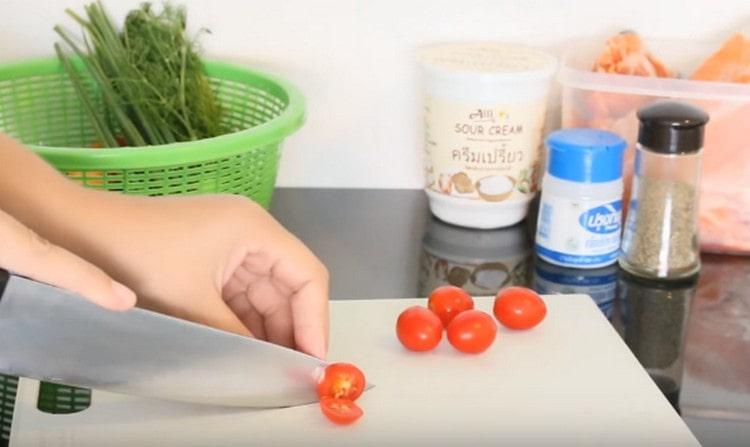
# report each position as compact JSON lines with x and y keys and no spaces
{"x":580,"y":211}
{"x":484,"y":116}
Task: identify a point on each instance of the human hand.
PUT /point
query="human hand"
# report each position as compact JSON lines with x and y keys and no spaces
{"x":219,"y":260}
{"x":26,"y":253}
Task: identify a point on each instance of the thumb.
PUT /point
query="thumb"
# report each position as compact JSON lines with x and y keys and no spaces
{"x":26,"y":253}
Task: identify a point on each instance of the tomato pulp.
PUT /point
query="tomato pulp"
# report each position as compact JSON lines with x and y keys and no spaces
{"x":340,"y":411}
{"x":341,"y":381}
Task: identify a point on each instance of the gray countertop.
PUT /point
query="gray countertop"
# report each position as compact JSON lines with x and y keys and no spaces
{"x":694,"y":339}
{"x":370,"y":240}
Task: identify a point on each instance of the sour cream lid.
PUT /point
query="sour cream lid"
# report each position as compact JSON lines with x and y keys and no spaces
{"x":486,"y":59}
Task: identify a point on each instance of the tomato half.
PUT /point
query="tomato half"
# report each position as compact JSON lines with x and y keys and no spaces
{"x":519,"y":308}
{"x":472,"y":331}
{"x":449,"y":301}
{"x":340,"y":411}
{"x":341,"y":381}
{"x":419,"y":329}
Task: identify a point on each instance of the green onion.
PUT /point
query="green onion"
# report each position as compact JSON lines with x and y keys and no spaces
{"x":149,"y":76}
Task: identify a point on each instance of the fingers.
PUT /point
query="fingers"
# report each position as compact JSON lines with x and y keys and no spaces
{"x":301,"y":281}
{"x":264,"y":303}
{"x":251,"y":318}
{"x":207,"y":308}
{"x":221,"y":317}
{"x":308,"y":281}
{"x":310,"y":314}
{"x":24,"y":252}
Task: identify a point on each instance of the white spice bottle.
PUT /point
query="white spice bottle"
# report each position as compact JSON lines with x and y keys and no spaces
{"x":580,"y":210}
{"x":484,"y":114}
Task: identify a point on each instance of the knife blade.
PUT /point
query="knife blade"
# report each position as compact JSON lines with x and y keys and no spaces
{"x":55,"y":335}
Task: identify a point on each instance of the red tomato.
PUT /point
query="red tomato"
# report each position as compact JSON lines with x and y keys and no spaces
{"x":449,"y":301}
{"x":419,"y":329}
{"x":519,"y":308}
{"x":472,"y":331}
{"x":340,"y":411}
{"x":341,"y":381}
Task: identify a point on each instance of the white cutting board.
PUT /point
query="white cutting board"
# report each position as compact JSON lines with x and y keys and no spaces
{"x":570,"y":381}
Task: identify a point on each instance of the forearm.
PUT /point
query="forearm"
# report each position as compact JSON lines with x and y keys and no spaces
{"x":33,"y":197}
{"x":56,"y":208}
{"x":30,"y":189}
{"x":107,"y":229}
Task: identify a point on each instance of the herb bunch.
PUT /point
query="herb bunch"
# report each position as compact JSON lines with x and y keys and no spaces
{"x":149,"y":77}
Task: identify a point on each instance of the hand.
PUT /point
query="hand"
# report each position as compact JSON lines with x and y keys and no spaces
{"x":220,"y":260}
{"x":217,"y":260}
{"x":27,"y":254}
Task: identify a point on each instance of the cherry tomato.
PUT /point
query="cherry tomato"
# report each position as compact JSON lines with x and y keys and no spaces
{"x":519,"y":308}
{"x":340,"y":411}
{"x":449,"y":301}
{"x":341,"y":381}
{"x":419,"y":329}
{"x":472,"y":331}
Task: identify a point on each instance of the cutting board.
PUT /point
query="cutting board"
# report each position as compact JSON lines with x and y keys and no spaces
{"x":570,"y":381}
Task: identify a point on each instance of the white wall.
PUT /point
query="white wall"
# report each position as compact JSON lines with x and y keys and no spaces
{"x":354,"y":60}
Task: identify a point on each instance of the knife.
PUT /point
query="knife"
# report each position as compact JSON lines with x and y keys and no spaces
{"x":55,"y":335}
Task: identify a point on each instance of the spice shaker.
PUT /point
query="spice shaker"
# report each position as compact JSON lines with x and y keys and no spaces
{"x":581,"y":204}
{"x":661,"y":230}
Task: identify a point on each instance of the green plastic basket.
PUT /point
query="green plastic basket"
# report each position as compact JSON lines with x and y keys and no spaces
{"x":8,"y":388}
{"x":39,"y":107}
{"x":62,"y":399}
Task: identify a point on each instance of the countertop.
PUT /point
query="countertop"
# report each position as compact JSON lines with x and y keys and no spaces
{"x":693,"y":337}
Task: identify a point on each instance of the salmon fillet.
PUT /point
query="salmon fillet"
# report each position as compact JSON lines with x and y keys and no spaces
{"x":725,"y":183}
{"x":731,"y":63}
{"x":625,"y":53}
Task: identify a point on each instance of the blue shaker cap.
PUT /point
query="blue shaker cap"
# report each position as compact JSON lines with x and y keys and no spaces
{"x":585,"y":155}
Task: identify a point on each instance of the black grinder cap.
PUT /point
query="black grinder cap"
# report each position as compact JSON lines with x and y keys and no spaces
{"x":671,"y":127}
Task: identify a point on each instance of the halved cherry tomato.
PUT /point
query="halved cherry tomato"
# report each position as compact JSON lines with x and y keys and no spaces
{"x":472,"y":331}
{"x":419,"y":329}
{"x":449,"y":301}
{"x":340,"y":411}
{"x":519,"y":308}
{"x":341,"y":381}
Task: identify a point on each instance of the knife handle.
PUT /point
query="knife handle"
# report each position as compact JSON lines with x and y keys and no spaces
{"x":4,"y":276}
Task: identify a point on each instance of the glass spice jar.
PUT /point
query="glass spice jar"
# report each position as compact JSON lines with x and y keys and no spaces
{"x":661,"y":230}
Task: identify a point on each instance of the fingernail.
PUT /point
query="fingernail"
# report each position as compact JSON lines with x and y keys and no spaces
{"x":126,"y":296}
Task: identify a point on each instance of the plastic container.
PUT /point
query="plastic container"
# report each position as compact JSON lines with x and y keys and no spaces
{"x":39,"y":107}
{"x":581,"y":205}
{"x":661,"y":231}
{"x":484,"y":112}
{"x":481,"y":262}
{"x":610,"y":101}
